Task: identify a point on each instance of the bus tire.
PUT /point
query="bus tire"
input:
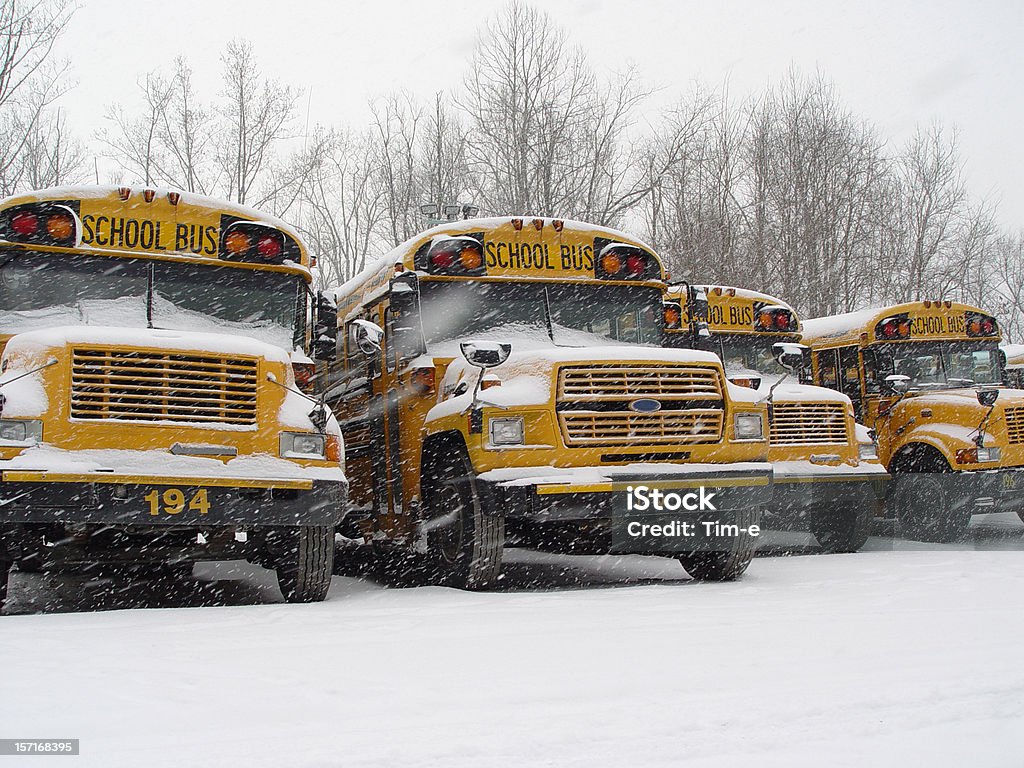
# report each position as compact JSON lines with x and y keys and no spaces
{"x":842,"y":530}
{"x":726,"y":565}
{"x":923,"y":506}
{"x":464,"y":541}
{"x":304,"y":562}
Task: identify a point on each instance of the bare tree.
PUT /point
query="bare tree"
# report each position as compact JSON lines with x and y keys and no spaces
{"x":51,"y":156}
{"x":258,"y":115}
{"x":545,"y":136}
{"x":134,"y":140}
{"x":343,"y":206}
{"x":30,"y":80}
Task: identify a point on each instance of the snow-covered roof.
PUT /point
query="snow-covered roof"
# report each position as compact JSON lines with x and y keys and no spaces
{"x":847,"y":328}
{"x":1014,"y":354}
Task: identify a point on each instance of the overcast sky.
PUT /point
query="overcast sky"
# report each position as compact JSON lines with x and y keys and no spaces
{"x":896,"y":64}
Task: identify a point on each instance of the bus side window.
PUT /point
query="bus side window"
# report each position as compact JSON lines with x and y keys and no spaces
{"x":849,"y":365}
{"x":826,"y":364}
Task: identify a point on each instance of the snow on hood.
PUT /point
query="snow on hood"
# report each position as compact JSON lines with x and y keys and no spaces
{"x":131,"y":312}
{"x":35,"y":343}
{"x":526,"y":374}
{"x":792,"y":391}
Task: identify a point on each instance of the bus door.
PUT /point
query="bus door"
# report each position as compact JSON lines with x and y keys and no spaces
{"x":850,"y":379}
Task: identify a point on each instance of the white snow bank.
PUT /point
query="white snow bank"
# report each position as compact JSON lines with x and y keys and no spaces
{"x":546,"y":475}
{"x":785,"y":470}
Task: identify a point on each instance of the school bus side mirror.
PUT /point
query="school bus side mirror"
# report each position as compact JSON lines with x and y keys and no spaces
{"x":988,"y":397}
{"x":789,"y":355}
{"x":368,"y":336}
{"x":485,"y":354}
{"x":325,"y":329}
{"x":404,"y":316}
{"x":896,"y":384}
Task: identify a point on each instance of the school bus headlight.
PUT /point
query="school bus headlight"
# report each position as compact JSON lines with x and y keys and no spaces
{"x":748,"y":426}
{"x":303,"y":445}
{"x":21,"y":430}
{"x":509,"y":430}
{"x":868,"y":451}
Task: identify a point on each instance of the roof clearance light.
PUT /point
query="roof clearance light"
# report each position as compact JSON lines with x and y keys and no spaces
{"x":123,"y":193}
{"x":538,"y":224}
{"x":148,"y":195}
{"x":269,"y":246}
{"x":557,"y":224}
{"x":237,"y":243}
{"x":24,"y":223}
{"x":173,"y":197}
{"x":517,"y":224}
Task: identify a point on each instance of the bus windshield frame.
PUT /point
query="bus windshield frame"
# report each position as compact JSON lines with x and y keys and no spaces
{"x":40,"y":289}
{"x":929,"y":364}
{"x":568,"y":313}
{"x":745,"y":353}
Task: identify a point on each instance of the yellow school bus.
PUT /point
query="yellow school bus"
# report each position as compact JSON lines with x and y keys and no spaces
{"x":1014,"y":371}
{"x":502,"y":381}
{"x":927,"y":377}
{"x":827,"y":475}
{"x":149,"y":413}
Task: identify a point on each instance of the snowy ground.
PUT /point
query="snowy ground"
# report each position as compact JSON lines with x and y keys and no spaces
{"x":904,"y":654}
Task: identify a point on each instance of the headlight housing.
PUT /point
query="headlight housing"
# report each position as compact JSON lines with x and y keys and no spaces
{"x":507,"y":430}
{"x":748,"y":426}
{"x":978,"y":455}
{"x":868,"y":451}
{"x":991,"y":453}
{"x":21,"y":430}
{"x":303,"y":445}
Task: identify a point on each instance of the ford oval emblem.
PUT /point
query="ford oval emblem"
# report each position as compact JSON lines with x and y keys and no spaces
{"x":645,"y":405}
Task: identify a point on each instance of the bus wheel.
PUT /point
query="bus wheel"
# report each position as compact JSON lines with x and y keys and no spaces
{"x":304,"y":558}
{"x":464,"y":543}
{"x":925,"y":510}
{"x":842,"y":530}
{"x":725,"y":565}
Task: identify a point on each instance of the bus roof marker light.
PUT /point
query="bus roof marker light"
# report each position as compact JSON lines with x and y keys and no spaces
{"x":538,"y":224}
{"x":149,"y":195}
{"x":517,"y":224}
{"x":123,"y":193}
{"x":173,"y":197}
{"x":557,"y":224}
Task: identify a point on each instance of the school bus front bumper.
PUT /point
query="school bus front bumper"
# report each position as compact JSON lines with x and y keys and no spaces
{"x":39,"y":496}
{"x":546,"y":494}
{"x":802,"y":485}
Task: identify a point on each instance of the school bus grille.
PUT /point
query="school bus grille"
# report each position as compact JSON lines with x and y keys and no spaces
{"x":1015,"y":424}
{"x":814,"y":423}
{"x":616,"y":383}
{"x":156,"y":387}
{"x":595,"y":405}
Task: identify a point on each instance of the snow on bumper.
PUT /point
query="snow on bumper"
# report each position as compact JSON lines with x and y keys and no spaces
{"x":157,"y":488}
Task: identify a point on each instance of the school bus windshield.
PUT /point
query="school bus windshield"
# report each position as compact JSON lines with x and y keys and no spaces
{"x":744,"y":354}
{"x":579,"y":314}
{"x":40,"y":290}
{"x":932,"y":365}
